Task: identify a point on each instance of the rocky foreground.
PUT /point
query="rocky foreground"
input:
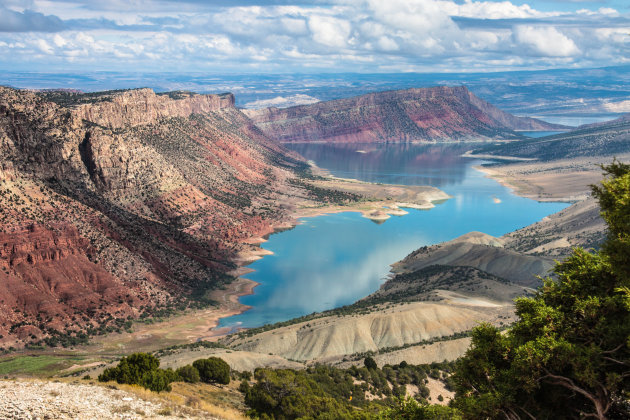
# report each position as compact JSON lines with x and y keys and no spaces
{"x":32,"y":399}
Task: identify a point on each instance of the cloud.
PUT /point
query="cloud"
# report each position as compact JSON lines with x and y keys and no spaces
{"x":308,"y":35}
{"x":28,"y":21}
{"x":282,"y":101}
{"x":492,"y":10}
{"x":546,"y":41}
{"x":329,"y":31}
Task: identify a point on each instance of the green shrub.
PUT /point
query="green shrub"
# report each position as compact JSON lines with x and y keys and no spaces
{"x":188,"y":374}
{"x":130,"y":369}
{"x":157,"y":380}
{"x":213,"y":370}
{"x":140,"y":369}
{"x":370,"y":363}
{"x":408,"y":408}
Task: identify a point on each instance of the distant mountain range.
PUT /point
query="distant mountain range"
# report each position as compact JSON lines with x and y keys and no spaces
{"x":444,"y":114}
{"x":600,"y":139}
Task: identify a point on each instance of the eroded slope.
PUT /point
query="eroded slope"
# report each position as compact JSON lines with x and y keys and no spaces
{"x":122,"y":204}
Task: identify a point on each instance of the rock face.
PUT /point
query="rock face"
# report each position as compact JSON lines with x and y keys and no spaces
{"x":143,"y":106}
{"x":429,"y":114}
{"x":121,"y":204}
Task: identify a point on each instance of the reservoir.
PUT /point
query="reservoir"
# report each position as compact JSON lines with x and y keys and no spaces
{"x":333,"y":260}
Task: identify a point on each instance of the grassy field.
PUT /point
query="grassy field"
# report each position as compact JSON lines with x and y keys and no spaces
{"x":41,"y":365}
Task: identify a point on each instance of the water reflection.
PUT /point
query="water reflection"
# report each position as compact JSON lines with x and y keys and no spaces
{"x":333,"y":260}
{"x":408,"y":164}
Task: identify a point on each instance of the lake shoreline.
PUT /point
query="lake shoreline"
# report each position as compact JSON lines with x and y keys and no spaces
{"x":229,"y":298}
{"x":381,"y":211}
{"x":566,"y":180}
{"x":422,"y":198}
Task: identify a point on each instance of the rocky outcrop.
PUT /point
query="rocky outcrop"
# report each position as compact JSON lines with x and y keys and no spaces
{"x":38,"y":399}
{"x":48,"y":273}
{"x":509,"y":120}
{"x":428,"y":114}
{"x":143,"y":106}
{"x":125,"y":203}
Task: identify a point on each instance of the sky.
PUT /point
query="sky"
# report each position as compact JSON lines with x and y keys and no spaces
{"x":311,"y":36}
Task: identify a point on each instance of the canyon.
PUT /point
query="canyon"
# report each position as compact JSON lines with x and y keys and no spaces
{"x":125,"y":204}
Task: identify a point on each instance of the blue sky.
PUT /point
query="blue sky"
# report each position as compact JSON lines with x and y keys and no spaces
{"x":284,"y":36}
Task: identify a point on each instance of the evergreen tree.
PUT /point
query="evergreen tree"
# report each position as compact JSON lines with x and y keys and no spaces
{"x":568,"y":355}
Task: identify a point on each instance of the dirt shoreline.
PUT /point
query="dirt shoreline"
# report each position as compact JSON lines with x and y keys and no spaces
{"x":566,"y":180}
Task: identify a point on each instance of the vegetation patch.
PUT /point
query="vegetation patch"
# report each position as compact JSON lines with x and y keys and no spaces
{"x":43,"y":365}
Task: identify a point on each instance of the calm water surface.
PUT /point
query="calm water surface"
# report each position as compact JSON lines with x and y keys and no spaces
{"x":538,"y":134}
{"x":333,"y":260}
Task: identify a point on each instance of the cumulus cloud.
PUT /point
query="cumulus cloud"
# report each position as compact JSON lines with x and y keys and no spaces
{"x":546,"y":41}
{"x":329,"y":31}
{"x":284,"y":35}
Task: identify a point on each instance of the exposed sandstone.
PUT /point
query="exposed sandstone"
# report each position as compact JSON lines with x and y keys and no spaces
{"x":143,"y":106}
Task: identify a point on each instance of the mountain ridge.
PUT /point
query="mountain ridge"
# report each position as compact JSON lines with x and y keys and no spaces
{"x":419,"y":114}
{"x":607,"y":138}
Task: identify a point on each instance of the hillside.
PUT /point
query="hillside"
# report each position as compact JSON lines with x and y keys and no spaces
{"x":610,"y":138}
{"x":119,"y":205}
{"x":427,"y":114}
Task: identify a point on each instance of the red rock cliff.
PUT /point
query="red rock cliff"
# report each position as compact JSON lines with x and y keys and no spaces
{"x":429,"y":114}
{"x":121,"y":203}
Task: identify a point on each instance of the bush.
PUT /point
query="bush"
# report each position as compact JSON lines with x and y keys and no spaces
{"x":213,"y":370}
{"x":370,"y":363}
{"x":131,"y":369}
{"x":140,"y":369}
{"x":408,"y":408}
{"x":188,"y":374}
{"x":158,"y":380}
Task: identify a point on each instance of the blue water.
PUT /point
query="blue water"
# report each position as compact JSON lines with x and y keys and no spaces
{"x":538,"y":134}
{"x":333,"y":260}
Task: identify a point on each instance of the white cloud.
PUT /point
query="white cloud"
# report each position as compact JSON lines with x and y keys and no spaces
{"x":349,"y":35}
{"x":59,"y":40}
{"x":44,"y":46}
{"x":294,"y":26}
{"x":494,"y":10}
{"x":329,"y":31}
{"x":546,"y":41}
